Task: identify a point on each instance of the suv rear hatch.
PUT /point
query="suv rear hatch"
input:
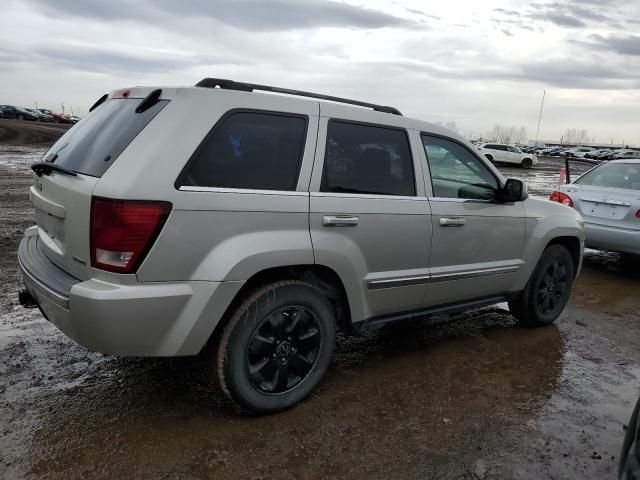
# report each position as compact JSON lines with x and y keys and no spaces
{"x":62,"y":200}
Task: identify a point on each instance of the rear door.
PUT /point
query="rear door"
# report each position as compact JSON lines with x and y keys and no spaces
{"x":477,"y":243}
{"x":63,"y":202}
{"x":369,"y":218}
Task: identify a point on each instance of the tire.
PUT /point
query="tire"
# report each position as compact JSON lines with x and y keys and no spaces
{"x":526,"y":163}
{"x":276,"y":346}
{"x":624,"y":467}
{"x":547,"y":291}
{"x":490,"y":158}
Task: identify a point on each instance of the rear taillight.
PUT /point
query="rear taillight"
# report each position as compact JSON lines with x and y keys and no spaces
{"x":124,"y":93}
{"x":123,"y":231}
{"x":638,"y":214}
{"x":562,"y":198}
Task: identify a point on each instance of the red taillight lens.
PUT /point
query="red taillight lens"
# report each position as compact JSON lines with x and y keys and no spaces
{"x":562,"y":198}
{"x":638,"y":214}
{"x":124,"y":93}
{"x":122,"y":232}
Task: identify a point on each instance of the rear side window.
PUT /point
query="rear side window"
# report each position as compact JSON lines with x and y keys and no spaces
{"x":367,"y":159}
{"x":251,"y":150}
{"x":94,"y":143}
{"x":614,"y":175}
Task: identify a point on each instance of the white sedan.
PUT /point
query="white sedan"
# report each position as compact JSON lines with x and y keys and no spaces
{"x":498,"y":152}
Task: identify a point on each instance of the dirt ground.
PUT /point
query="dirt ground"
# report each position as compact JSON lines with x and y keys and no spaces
{"x":473,"y":396}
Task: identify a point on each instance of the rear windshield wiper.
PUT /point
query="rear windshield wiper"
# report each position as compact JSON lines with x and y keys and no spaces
{"x":47,"y":168}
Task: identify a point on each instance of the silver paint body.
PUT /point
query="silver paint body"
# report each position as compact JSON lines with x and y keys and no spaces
{"x":609,"y":214}
{"x":392,"y":254}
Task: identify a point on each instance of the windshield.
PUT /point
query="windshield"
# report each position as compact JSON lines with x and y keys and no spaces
{"x":94,"y":143}
{"x":614,"y":175}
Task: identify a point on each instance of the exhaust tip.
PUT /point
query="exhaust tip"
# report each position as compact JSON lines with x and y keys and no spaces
{"x":26,"y":299}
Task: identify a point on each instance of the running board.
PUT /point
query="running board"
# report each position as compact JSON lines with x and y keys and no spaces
{"x":380,"y":321}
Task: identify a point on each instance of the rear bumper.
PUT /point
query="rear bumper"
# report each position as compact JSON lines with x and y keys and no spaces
{"x":621,"y":240}
{"x":143,"y":319}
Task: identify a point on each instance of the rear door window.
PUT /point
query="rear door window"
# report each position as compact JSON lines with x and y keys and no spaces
{"x":249,"y":150}
{"x":367,"y":159}
{"x":94,"y":143}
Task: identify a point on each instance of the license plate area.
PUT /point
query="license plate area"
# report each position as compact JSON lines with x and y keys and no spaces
{"x":51,"y":229}
{"x":605,"y":210}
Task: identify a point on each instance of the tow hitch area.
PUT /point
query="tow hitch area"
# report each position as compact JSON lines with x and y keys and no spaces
{"x":26,"y":299}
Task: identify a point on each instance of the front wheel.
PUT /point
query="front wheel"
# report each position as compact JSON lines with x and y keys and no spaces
{"x":547,"y":291}
{"x":276,"y":346}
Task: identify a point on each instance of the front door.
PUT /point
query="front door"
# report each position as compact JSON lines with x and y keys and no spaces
{"x":478,"y":243}
{"x":369,"y":219}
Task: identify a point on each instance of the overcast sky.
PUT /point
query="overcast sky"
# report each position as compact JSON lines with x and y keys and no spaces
{"x":473,"y":62}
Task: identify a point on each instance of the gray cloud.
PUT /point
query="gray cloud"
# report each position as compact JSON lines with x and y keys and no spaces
{"x":624,"y":45}
{"x":254,"y":15}
{"x":570,"y":14}
{"x":100,"y":60}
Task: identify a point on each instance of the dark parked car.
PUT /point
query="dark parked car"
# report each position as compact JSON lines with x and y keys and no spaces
{"x":57,"y":117}
{"x":9,"y":111}
{"x":41,"y":117}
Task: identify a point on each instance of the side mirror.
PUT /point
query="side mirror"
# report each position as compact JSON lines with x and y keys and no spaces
{"x":513,"y":191}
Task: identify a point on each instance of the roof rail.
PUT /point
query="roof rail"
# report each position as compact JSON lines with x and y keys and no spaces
{"x":249,"y":87}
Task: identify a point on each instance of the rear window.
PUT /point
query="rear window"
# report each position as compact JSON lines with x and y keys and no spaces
{"x":94,"y":143}
{"x":249,"y":150}
{"x":614,"y":175}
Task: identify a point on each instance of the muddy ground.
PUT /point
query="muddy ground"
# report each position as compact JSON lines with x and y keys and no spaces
{"x":473,"y":396}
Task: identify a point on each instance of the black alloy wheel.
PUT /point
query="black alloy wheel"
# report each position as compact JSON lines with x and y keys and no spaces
{"x":283,"y":350}
{"x":551,"y":289}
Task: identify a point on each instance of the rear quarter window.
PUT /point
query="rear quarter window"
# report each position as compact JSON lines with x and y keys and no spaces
{"x":94,"y":143}
{"x":249,"y":150}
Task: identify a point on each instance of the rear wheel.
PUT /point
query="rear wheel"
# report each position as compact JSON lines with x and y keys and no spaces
{"x":490,"y":158}
{"x":276,"y":346}
{"x":526,"y":163}
{"x":547,"y":291}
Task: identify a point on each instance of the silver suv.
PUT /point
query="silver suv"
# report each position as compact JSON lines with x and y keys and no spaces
{"x":256,"y":225}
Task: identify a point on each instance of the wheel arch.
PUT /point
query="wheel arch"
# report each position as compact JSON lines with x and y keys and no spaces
{"x":322,"y":277}
{"x":573,"y":245}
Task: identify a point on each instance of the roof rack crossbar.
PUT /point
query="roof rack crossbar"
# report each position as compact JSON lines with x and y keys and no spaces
{"x":249,"y":87}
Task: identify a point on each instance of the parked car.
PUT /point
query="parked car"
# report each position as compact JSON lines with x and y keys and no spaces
{"x":595,"y":154}
{"x":18,"y":113}
{"x":549,"y":151}
{"x":57,"y":117}
{"x":274,"y":221}
{"x":498,"y":152}
{"x":577,"y":152}
{"x":623,"y":154}
{"x":41,"y":117}
{"x":608,"y":198}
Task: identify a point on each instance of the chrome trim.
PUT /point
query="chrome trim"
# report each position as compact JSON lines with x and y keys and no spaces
{"x":397,"y":282}
{"x":606,"y":201}
{"x":292,"y":193}
{"x":367,"y":195}
{"x":42,"y":289}
{"x":445,"y":277}
{"x":460,"y":200}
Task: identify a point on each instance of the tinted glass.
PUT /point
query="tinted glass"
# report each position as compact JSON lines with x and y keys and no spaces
{"x":456,"y":172}
{"x":94,"y":143}
{"x":367,"y":159}
{"x":250,"y":150}
{"x":621,"y":175}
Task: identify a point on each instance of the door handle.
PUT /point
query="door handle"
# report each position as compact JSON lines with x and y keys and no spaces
{"x":339,"y":221}
{"x":452,"y":222}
